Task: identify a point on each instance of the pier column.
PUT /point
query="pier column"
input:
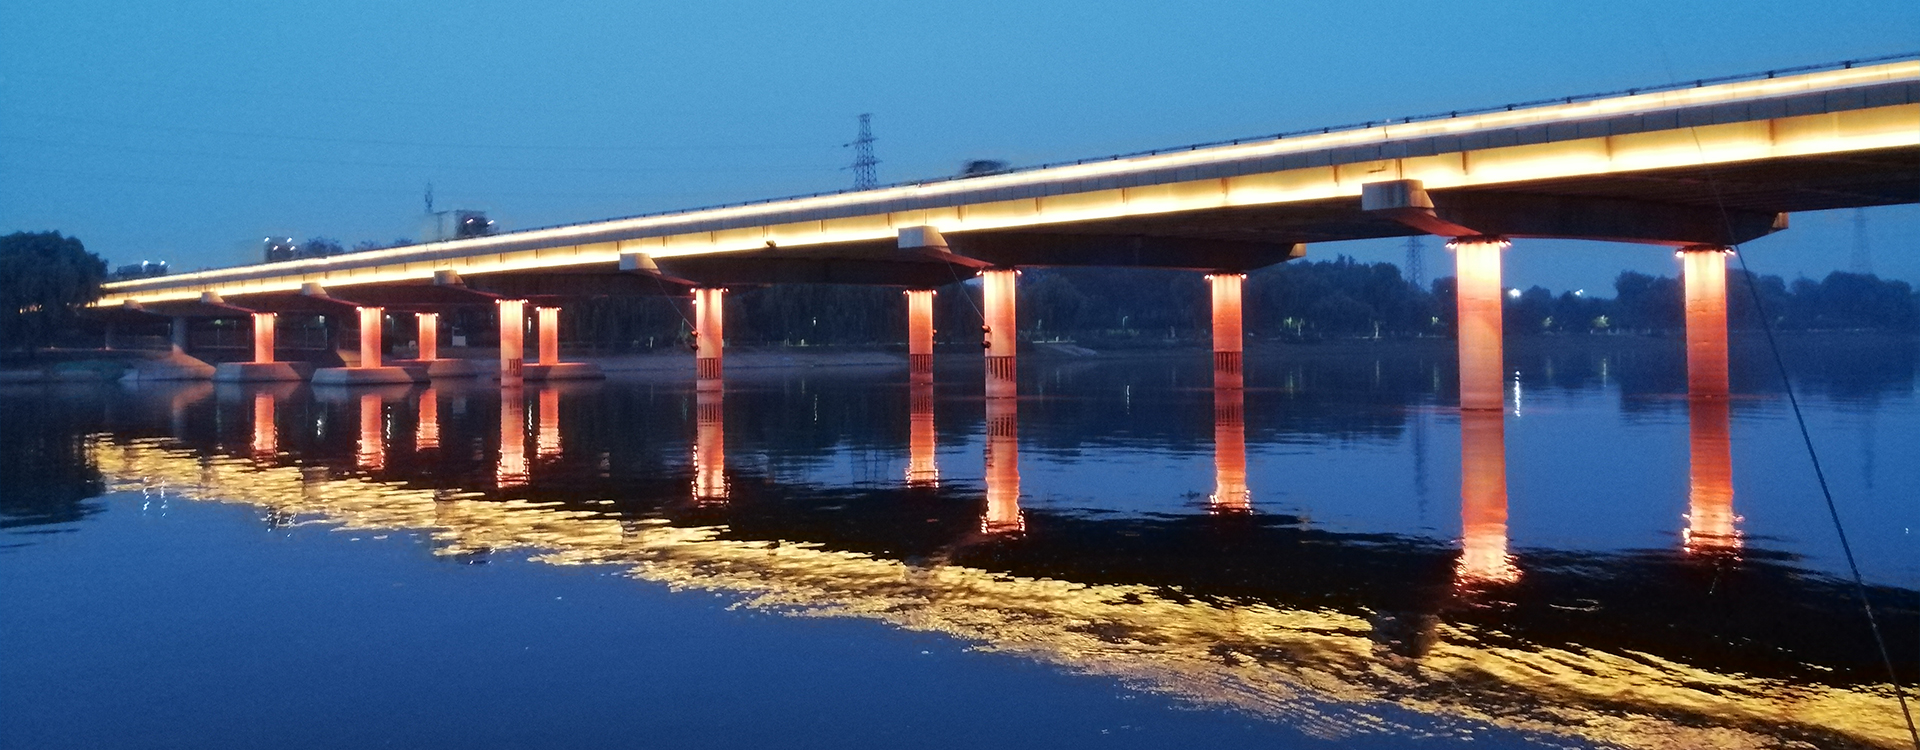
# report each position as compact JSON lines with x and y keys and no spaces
{"x":1229,"y":339}
{"x":371,"y":321}
{"x":1003,"y":468}
{"x":1483,"y":499}
{"x":429,"y":337}
{"x":710,"y":446}
{"x":920,"y":335}
{"x":709,"y":335}
{"x":997,"y":288}
{"x":922,"y":471}
{"x":513,"y":325}
{"x":1704,"y":271}
{"x":1477,"y":295}
{"x":549,"y":318}
{"x":1230,"y":494}
{"x":1711,"y":525}
{"x":179,"y":336}
{"x":263,"y":337}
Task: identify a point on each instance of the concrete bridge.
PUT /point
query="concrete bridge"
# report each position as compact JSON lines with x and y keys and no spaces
{"x":1700,"y":166}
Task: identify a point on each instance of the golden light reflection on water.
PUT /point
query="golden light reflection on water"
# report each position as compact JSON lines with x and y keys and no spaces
{"x":426,"y":429}
{"x":266,"y":435}
{"x":1321,"y":670}
{"x":547,"y":443}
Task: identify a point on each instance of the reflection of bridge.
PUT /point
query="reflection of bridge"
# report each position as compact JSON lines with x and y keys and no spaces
{"x":1350,"y":620}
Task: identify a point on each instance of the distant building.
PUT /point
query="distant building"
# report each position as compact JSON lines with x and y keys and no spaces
{"x":141,"y":270}
{"x":440,"y":226}
{"x":281,"y":249}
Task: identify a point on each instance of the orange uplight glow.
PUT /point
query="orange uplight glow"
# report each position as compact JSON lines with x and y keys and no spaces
{"x":1003,"y":468}
{"x":426,"y":432}
{"x":511,"y":471}
{"x":920,"y":334}
{"x":921,"y":469}
{"x":709,"y":335}
{"x":549,"y":334}
{"x":547,"y":442}
{"x":1230,"y":493}
{"x":1704,"y":271}
{"x":513,"y":329}
{"x":263,"y":337}
{"x":1483,"y":500}
{"x":371,"y":320}
{"x":997,"y":290}
{"x":428,"y":347}
{"x":1228,"y":335}
{"x":372,"y":453}
{"x":1477,"y":297}
{"x":266,"y":437}
{"x":710,"y":447}
{"x":1712,"y":528}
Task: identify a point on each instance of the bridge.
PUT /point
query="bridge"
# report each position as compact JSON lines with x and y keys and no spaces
{"x":1700,"y":166}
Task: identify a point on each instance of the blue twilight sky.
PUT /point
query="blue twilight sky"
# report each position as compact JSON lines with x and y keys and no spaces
{"x":186,"y":131}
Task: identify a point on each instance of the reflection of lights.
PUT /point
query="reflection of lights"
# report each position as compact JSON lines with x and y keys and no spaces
{"x":1230,"y":494}
{"x":372,"y":455}
{"x":1483,"y":501}
{"x":548,"y":441}
{"x":426,"y":432}
{"x":511,"y":471}
{"x":1712,"y":526}
{"x":922,"y":471}
{"x":265,"y":436}
{"x":1168,"y":642}
{"x":710,"y":447}
{"x":1003,"y":468}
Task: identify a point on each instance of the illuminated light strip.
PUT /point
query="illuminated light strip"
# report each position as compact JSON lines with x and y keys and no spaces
{"x":420,"y":260}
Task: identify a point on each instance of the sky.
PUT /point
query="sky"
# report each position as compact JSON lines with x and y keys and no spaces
{"x":188,"y":131}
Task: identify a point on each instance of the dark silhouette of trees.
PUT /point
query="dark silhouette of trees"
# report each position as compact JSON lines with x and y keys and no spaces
{"x":45,"y":279}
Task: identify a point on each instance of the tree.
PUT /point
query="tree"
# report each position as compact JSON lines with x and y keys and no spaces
{"x":45,"y":279}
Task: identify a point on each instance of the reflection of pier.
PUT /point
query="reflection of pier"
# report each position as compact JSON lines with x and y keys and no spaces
{"x":1003,"y":468}
{"x":922,"y":470}
{"x":1147,"y":601}
{"x":710,"y":447}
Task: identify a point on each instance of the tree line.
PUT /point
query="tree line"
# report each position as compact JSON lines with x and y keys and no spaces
{"x":45,"y":278}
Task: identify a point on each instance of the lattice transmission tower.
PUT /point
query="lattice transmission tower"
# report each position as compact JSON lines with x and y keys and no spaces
{"x":864,"y":177}
{"x":1416,"y":262}
{"x":1862,"y":254}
